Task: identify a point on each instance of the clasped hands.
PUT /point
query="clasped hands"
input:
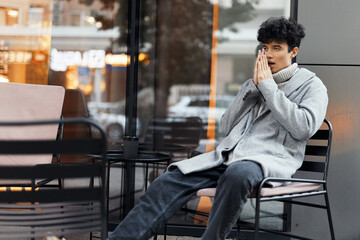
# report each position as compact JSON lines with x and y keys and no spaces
{"x":261,"y":70}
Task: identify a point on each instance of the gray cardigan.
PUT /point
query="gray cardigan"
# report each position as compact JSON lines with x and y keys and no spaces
{"x":276,"y":137}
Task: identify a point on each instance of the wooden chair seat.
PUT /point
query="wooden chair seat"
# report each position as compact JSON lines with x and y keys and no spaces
{"x":292,"y":188}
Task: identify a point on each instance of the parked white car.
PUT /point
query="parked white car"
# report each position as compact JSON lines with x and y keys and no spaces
{"x":190,"y":106}
{"x":109,"y":117}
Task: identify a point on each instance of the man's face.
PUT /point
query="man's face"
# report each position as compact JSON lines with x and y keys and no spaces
{"x":278,"y":55}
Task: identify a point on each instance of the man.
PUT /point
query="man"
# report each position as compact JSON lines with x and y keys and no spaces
{"x":266,"y":127}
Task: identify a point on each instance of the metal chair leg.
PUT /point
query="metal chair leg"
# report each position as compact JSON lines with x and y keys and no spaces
{"x":329,"y":216}
{"x":237,"y":237}
{"x":257,"y":219}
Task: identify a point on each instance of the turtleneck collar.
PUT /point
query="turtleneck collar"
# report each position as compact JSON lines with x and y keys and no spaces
{"x":286,"y":73}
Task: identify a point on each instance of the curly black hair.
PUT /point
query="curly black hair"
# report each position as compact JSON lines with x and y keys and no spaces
{"x":281,"y":30}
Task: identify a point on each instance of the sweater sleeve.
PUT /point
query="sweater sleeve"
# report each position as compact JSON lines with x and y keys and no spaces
{"x":301,"y":119}
{"x":245,"y":99}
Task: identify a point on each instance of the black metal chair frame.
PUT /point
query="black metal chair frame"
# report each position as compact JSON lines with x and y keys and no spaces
{"x":142,"y":160}
{"x":54,"y":211}
{"x":317,"y":149}
{"x":308,"y":166}
{"x":172,"y":135}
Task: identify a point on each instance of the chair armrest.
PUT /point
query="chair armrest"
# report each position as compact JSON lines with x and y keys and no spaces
{"x":274,"y":179}
{"x":306,"y":180}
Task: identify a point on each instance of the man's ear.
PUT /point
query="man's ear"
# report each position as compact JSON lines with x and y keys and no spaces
{"x":294,"y":52}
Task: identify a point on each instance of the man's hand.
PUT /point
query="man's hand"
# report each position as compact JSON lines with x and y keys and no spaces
{"x":255,"y":78}
{"x":262,"y":70}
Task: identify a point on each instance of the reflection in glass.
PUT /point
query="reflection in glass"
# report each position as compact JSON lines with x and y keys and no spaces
{"x":203,"y":52}
{"x":193,"y":54}
{"x":24,"y":41}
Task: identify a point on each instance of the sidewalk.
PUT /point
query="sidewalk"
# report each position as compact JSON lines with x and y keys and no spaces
{"x":86,"y":237}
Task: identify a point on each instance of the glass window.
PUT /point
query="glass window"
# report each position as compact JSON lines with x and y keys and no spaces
{"x":203,"y":51}
{"x":9,"y":16}
{"x":84,"y":55}
{"x":195,"y":49}
{"x":75,"y":19}
{"x":25,"y":41}
{"x":35,"y":16}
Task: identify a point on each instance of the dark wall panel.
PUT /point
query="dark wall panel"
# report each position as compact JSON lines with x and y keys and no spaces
{"x":330,"y":50}
{"x":332,"y":32}
{"x":343,"y":84}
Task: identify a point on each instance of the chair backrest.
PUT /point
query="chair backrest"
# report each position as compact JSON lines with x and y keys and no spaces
{"x":317,"y":153}
{"x":53,"y":211}
{"x":29,"y":102}
{"x":175,"y":130}
{"x":75,"y":106}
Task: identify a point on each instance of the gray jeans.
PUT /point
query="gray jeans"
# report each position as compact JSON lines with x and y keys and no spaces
{"x":169,"y":192}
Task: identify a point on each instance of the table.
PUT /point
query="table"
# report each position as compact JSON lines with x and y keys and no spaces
{"x":161,"y":148}
{"x":129,"y":173}
{"x":165,"y":147}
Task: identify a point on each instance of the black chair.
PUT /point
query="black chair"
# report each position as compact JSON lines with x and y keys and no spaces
{"x":75,"y":106}
{"x":54,"y":211}
{"x":179,"y":136}
{"x":317,"y":157}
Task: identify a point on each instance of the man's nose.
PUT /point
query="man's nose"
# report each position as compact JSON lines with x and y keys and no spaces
{"x":269,"y":54}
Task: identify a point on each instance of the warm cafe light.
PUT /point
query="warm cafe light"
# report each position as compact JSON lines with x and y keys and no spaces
{"x":122,"y":60}
{"x":98,"y":24}
{"x":3,"y":79}
{"x":13,"y":13}
{"x":90,"y":19}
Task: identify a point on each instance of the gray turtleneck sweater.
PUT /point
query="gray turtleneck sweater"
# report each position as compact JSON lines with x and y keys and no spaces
{"x":275,"y":139}
{"x":285,"y":74}
{"x":280,"y":78}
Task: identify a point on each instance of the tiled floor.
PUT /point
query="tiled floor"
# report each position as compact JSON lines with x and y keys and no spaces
{"x":86,"y":237}
{"x":176,"y":238}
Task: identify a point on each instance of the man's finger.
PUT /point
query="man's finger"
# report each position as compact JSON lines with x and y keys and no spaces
{"x":263,"y":63}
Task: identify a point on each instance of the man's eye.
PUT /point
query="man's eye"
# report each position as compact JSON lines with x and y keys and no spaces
{"x":277,"y":49}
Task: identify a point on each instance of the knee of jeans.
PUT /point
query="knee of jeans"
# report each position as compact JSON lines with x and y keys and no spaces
{"x":244,"y":177}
